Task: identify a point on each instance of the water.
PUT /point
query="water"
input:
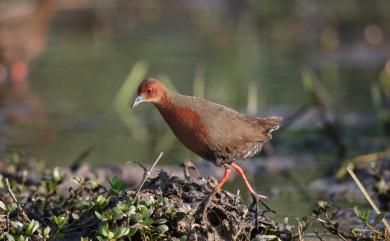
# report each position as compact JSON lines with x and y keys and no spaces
{"x":78,"y":78}
{"x":81,"y":71}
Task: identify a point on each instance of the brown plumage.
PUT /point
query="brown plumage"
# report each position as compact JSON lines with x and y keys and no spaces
{"x":214,"y":132}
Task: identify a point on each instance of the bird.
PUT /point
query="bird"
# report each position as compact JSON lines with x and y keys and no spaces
{"x":23,"y":34}
{"x":214,"y":132}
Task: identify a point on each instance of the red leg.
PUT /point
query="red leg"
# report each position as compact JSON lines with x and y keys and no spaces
{"x":242,"y":174}
{"x":206,"y":203}
{"x":255,"y":196}
{"x":226,"y":176}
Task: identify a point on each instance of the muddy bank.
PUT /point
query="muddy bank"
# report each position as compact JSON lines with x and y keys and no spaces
{"x":84,"y":203}
{"x":167,"y":208}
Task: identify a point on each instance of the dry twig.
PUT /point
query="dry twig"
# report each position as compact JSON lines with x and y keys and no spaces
{"x":11,"y":193}
{"x":367,"y":196}
{"x":147,"y":174}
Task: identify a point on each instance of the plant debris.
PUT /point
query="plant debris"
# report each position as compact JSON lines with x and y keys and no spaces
{"x":166,"y":208}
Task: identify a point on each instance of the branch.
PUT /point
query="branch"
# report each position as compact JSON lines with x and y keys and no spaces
{"x":367,"y":196}
{"x":147,"y":173}
{"x":11,"y":193}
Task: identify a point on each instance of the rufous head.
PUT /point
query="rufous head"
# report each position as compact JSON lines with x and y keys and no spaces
{"x":150,"y":90}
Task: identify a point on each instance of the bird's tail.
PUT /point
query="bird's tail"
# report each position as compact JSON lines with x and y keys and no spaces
{"x":270,"y":124}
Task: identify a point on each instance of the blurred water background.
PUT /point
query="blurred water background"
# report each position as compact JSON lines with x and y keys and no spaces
{"x":259,"y":57}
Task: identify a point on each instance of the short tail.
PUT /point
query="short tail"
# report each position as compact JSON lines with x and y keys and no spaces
{"x":270,"y":124}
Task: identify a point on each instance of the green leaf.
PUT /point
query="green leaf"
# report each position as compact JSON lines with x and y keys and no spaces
{"x":143,"y":211}
{"x":148,"y":221}
{"x":133,"y":231}
{"x":149,"y":201}
{"x":60,"y":220}
{"x":94,"y":183}
{"x":21,"y":238}
{"x":166,"y":203}
{"x":110,"y":235}
{"x":121,"y":206}
{"x":101,"y":238}
{"x":162,"y":228}
{"x":31,"y":227}
{"x":101,"y":202}
{"x":1,"y":183}
{"x":136,"y":217}
{"x":266,"y":238}
{"x":131,"y":210}
{"x":161,"y":221}
{"x":105,"y":231}
{"x":105,"y":216}
{"x":117,"y":184}
{"x":363,"y":215}
{"x":82,"y":205}
{"x":50,"y":186}
{"x":46,"y":232}
{"x":11,"y":207}
{"x":183,"y":238}
{"x":2,"y":206}
{"x":120,"y":232}
{"x":57,"y":175}
{"x":118,"y":213}
{"x":98,"y":215}
{"x":9,"y":237}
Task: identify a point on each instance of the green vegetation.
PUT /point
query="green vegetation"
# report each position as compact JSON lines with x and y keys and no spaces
{"x":54,"y":208}
{"x":45,"y":212}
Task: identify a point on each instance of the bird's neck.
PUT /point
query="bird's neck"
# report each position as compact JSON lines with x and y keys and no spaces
{"x":177,"y":113}
{"x":165,"y":104}
{"x":185,"y":122}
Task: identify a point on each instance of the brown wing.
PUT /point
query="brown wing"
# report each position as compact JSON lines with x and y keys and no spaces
{"x":230,"y":133}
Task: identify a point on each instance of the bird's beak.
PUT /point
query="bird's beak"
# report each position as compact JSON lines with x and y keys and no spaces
{"x":137,"y":100}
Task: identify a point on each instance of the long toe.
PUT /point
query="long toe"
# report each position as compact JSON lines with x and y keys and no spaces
{"x":259,"y":198}
{"x":253,"y":207}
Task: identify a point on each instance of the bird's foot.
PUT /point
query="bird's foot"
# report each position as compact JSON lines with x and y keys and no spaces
{"x":259,"y":198}
{"x":255,"y":209}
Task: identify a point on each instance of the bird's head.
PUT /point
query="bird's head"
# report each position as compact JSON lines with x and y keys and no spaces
{"x":150,"y":90}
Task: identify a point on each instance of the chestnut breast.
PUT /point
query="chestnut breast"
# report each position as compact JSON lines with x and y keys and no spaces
{"x":188,"y":127}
